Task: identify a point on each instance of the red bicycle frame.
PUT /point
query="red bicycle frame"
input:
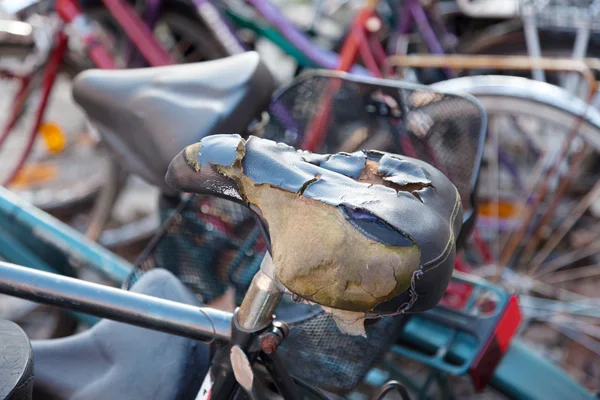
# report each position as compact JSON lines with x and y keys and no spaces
{"x":361,"y":41}
{"x":70,"y":13}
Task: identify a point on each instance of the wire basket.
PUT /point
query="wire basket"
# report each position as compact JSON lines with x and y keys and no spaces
{"x":211,"y":244}
{"x":563,"y":14}
{"x":442,"y":129}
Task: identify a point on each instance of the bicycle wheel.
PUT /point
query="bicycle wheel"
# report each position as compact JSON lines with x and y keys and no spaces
{"x":508,"y":39}
{"x":47,"y":179}
{"x":554,"y":266}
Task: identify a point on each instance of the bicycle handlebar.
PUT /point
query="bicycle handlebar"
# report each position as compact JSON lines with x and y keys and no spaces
{"x":200,"y":323}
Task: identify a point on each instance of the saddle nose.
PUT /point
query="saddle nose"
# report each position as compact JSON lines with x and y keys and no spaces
{"x":369,"y":233}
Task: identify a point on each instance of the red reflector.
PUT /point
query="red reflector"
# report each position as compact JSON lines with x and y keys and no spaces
{"x":492,"y":352}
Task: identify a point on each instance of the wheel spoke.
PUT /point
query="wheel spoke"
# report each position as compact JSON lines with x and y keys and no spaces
{"x":571,"y":274}
{"x":578,"y":337}
{"x":588,"y":250}
{"x":546,"y":309}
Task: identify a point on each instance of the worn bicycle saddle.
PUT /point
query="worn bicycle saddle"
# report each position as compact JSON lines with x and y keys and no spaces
{"x":364,"y":235}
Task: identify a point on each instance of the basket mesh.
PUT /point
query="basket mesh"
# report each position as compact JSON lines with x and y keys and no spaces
{"x":443,"y":130}
{"x":211,"y":244}
{"x":316,"y":351}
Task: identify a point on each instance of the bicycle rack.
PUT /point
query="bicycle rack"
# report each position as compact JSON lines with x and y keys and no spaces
{"x":470,"y":337}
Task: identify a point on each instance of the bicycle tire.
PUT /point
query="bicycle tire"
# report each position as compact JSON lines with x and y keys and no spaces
{"x":507,"y":93}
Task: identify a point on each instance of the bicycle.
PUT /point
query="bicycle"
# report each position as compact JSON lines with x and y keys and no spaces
{"x":52,"y":57}
{"x":559,"y":249}
{"x":388,"y":85}
{"x":58,"y":248}
{"x":536,"y":28}
{"x":297,"y":101}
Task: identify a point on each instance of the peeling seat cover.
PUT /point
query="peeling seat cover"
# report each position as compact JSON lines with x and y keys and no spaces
{"x":370,"y":232}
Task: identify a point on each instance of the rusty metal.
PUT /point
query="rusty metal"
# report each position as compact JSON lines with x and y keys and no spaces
{"x":546,"y":218}
{"x":583,"y":67}
{"x":587,"y":250}
{"x":269,"y":342}
{"x":527,"y":215}
{"x":537,"y":260}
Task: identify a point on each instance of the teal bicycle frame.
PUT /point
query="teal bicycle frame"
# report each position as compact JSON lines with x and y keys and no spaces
{"x":30,"y":237}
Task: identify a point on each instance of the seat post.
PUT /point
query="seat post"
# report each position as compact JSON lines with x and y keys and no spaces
{"x":262,"y":298}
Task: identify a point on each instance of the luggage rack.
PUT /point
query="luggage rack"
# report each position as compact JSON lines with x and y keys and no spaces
{"x":468,"y":336}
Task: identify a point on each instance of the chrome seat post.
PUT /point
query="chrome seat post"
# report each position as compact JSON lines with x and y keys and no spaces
{"x":262,"y":298}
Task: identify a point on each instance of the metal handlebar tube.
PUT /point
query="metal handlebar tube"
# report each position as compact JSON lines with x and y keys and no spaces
{"x":200,"y":323}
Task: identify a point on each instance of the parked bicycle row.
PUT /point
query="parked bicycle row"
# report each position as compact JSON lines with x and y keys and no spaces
{"x":439,"y":240}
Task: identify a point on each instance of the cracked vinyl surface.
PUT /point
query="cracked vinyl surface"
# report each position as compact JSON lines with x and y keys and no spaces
{"x":362,"y":234}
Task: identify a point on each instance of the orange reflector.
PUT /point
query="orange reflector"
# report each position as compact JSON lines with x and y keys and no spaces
{"x":54,"y":137}
{"x":34,"y":173}
{"x":502,"y":209}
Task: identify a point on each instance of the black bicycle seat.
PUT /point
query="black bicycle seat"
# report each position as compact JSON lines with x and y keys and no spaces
{"x":112,"y":360}
{"x":16,"y":363}
{"x":367,"y":232}
{"x":148,"y":115}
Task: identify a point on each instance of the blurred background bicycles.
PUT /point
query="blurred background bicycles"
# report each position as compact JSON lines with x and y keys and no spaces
{"x":531,"y":64}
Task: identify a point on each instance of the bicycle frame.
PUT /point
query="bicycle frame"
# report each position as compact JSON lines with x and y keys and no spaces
{"x":38,"y":240}
{"x":284,"y":34}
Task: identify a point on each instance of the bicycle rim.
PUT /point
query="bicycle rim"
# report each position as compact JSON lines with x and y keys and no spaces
{"x":47,"y":179}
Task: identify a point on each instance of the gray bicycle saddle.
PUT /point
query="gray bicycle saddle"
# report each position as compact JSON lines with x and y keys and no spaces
{"x":112,"y":360}
{"x":368,"y":233}
{"x":148,"y":115}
